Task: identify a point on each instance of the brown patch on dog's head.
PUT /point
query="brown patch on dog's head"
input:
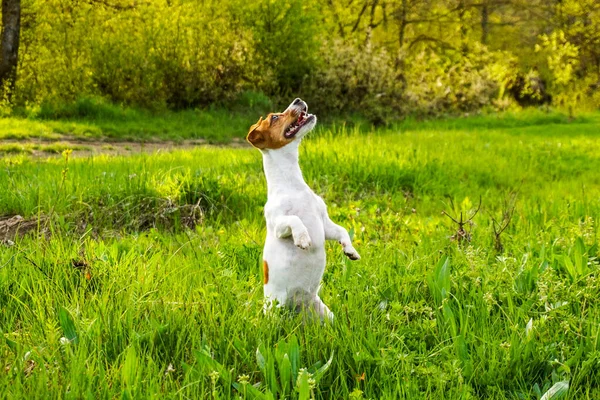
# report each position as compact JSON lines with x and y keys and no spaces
{"x":265,"y":272}
{"x":280,"y":129}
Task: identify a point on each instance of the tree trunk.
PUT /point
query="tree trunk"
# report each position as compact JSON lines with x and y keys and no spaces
{"x":462,"y":9}
{"x":402,"y":21}
{"x":484,"y":22}
{"x":9,"y":44}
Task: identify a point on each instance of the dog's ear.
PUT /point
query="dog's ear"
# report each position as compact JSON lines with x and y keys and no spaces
{"x":255,"y":137}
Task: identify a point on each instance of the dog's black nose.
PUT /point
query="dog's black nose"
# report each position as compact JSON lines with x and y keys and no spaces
{"x":297,"y":101}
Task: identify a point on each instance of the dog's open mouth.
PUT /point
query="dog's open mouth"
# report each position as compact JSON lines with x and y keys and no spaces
{"x":294,"y":127}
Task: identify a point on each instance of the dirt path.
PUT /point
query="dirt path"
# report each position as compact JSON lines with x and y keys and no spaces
{"x":84,"y":148}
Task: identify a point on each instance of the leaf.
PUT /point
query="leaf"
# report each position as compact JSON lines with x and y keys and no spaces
{"x":208,"y":364}
{"x":529,"y":329}
{"x":266,"y":363}
{"x":321,"y":371}
{"x":543,"y":266}
{"x":569,"y":267}
{"x":251,"y":391}
{"x":571,"y":362}
{"x":271,"y":376}
{"x":130,"y":367}
{"x":579,"y":257}
{"x":285,"y":374}
{"x":449,"y":318}
{"x":439,"y":280}
{"x":294,"y":353}
{"x":537,"y":390}
{"x":557,"y":391}
{"x":260,"y":359}
{"x":68,"y":325}
{"x":12,"y":345}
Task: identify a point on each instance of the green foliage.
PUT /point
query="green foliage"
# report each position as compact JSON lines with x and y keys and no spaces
{"x":382,"y":59}
{"x":173,"y":56}
{"x":359,"y":79}
{"x":564,"y":64}
{"x":368,"y":80}
{"x":92,"y":108}
{"x":286,"y":41}
{"x":438,"y":84}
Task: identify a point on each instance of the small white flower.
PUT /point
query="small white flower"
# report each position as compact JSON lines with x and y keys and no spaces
{"x":169,"y":369}
{"x":64,"y":341}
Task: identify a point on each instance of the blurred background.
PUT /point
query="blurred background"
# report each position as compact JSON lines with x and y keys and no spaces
{"x":380,"y":59}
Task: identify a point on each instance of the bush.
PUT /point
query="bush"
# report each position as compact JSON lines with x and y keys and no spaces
{"x":361,"y":79}
{"x":83,"y":107}
{"x":356,"y":79}
{"x":438,"y":84}
{"x":155,"y":55}
{"x":286,"y":38}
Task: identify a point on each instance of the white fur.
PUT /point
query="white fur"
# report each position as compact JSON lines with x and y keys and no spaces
{"x":297,"y":227}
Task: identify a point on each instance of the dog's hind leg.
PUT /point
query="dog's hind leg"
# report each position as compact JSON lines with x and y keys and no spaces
{"x":321,"y":309}
{"x":273,"y":299}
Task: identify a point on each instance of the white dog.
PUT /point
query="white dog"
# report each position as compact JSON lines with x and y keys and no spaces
{"x":297,"y":219}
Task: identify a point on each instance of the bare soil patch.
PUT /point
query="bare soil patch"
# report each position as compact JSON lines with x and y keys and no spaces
{"x":83,"y":148}
{"x":15,"y":225}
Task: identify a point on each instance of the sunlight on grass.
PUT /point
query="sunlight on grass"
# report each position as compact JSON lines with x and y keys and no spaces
{"x":21,"y":128}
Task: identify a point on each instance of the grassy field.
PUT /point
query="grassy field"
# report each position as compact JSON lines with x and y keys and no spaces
{"x":140,"y":275}
{"x":92,"y":119}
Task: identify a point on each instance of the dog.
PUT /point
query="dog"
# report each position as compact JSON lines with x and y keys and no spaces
{"x":297,"y":220}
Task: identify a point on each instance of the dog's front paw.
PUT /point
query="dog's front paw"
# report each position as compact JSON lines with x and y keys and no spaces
{"x":302,"y":240}
{"x":351,"y":253}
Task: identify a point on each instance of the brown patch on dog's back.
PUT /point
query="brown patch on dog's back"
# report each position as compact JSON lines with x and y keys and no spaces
{"x":265,"y":272}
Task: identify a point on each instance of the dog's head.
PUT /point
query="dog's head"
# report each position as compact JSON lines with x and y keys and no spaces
{"x":280,"y":129}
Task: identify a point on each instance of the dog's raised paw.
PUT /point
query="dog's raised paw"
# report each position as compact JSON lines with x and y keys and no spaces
{"x":303,"y":241}
{"x":352,"y":254}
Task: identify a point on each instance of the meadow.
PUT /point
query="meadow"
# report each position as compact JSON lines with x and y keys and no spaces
{"x":139,"y":276}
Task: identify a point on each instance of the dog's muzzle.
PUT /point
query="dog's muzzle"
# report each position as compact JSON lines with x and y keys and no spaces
{"x":299,"y":109}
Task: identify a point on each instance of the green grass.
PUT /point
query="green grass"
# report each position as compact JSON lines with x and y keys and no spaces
{"x":144,"y":279}
{"x":215,"y":126}
{"x":93,"y":119}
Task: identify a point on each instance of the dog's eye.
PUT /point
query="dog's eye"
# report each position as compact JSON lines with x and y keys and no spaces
{"x":274,"y":118}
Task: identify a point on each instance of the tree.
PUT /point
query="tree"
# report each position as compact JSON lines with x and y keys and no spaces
{"x":9,"y":44}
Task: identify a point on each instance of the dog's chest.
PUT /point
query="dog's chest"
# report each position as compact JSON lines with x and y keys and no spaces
{"x":306,"y":206}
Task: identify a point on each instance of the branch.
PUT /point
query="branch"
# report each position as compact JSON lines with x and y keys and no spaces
{"x":424,"y":38}
{"x":476,"y":211}
{"x":336,"y":17}
{"x":360,"y":17}
{"x":449,"y":216}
